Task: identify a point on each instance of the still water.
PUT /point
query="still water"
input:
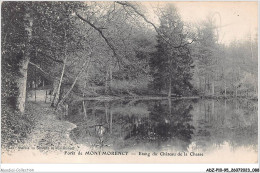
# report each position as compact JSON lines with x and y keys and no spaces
{"x":165,"y":125}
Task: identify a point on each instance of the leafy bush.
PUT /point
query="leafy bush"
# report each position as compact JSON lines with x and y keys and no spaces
{"x":14,"y":126}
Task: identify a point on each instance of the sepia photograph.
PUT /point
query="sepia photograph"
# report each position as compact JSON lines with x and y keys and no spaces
{"x":129,"y":82}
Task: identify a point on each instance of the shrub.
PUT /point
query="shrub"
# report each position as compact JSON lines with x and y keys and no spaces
{"x":14,"y":126}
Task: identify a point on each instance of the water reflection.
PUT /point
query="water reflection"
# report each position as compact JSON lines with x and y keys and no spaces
{"x":166,"y":125}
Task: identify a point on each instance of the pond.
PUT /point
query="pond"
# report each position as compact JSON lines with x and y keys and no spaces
{"x":165,"y":125}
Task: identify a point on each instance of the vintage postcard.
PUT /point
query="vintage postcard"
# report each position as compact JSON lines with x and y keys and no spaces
{"x":129,"y":82}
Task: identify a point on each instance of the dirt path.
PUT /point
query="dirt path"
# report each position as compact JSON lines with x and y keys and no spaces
{"x":49,"y":133}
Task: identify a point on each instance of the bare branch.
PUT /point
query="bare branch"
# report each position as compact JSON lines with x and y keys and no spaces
{"x":102,"y":35}
{"x":145,"y":19}
{"x":100,"y":32}
{"x":149,"y":22}
{"x":39,"y":68}
{"x":140,"y":14}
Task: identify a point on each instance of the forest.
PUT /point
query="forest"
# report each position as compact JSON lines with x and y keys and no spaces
{"x":80,"y":50}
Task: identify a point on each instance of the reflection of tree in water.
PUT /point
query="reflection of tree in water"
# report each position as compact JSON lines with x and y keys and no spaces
{"x":91,"y":127}
{"x":225,"y":121}
{"x":166,"y":123}
{"x":125,"y":125}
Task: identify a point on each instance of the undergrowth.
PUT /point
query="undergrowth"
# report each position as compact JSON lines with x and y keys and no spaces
{"x":15,"y":127}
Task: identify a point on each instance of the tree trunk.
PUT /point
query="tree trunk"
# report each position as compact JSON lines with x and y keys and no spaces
{"x":56,"y":96}
{"x":170,"y":106}
{"x":22,"y":81}
{"x":106,"y":112}
{"x":46,"y":95}
{"x":106,"y":83}
{"x":111,"y":122}
{"x":170,"y":87}
{"x":43,"y":82}
{"x":86,"y":63}
{"x":208,"y":85}
{"x":84,"y":109}
{"x":208,"y":111}
{"x":205,"y":86}
{"x":110,"y":76}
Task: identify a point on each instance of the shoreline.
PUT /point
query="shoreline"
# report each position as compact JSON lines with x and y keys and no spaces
{"x":147,"y":97}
